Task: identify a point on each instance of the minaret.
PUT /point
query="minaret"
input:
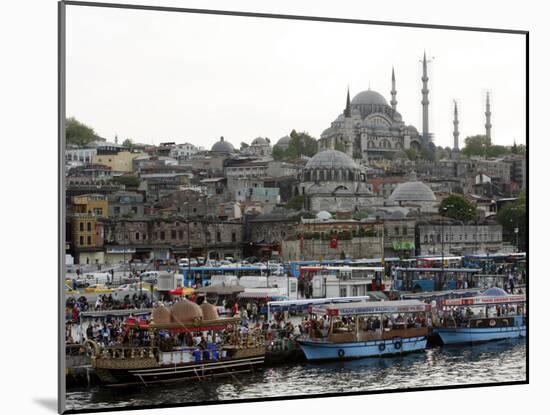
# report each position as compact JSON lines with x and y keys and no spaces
{"x":347,"y":111}
{"x":425,"y":101}
{"x":488,"y":118}
{"x":393,"y":101}
{"x":455,"y":131}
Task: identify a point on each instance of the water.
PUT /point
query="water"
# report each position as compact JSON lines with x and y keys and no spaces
{"x":501,"y":361}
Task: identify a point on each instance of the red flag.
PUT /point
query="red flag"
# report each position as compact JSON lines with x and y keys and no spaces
{"x":334,"y":242}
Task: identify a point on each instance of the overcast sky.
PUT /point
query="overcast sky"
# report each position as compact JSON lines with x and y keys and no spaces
{"x":159,"y":76}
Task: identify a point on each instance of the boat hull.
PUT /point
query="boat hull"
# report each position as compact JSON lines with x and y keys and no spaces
{"x":478,"y":335}
{"x":177,"y":372}
{"x":323,"y":350}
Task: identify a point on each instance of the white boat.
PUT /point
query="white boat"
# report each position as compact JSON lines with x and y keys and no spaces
{"x":493,"y":315}
{"x":366,"y":328}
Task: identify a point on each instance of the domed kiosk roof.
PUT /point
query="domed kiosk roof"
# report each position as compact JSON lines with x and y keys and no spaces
{"x":331,"y":159}
{"x":414,"y":191}
{"x":368,"y":97}
{"x":223,"y":146}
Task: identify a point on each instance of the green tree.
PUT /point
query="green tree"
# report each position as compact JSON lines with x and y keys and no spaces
{"x":476,"y":145}
{"x":295,"y":203}
{"x":278,"y":153}
{"x":357,"y":155}
{"x":77,"y":133}
{"x":457,"y":207}
{"x":494,"y":151}
{"x":128,"y":143}
{"x":411,"y":154}
{"x":427,"y":154}
{"x":301,"y":144}
{"x":128,"y":181}
{"x":511,"y":216}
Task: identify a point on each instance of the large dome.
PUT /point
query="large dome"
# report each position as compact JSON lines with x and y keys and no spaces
{"x":368,"y":97}
{"x":413,"y":191}
{"x":223,"y":146}
{"x":283,"y":141}
{"x":331,"y":159}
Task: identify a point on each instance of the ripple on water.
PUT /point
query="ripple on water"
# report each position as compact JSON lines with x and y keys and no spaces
{"x":502,"y":361}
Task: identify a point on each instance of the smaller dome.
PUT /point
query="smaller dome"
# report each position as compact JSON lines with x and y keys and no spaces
{"x":323,"y":215}
{"x":331,"y":159}
{"x":209,"y":311}
{"x":223,"y":146}
{"x":413,"y":191}
{"x":185,"y":311}
{"x":494,"y":292}
{"x":259,"y":141}
{"x":283,"y":140}
{"x":161,"y":315}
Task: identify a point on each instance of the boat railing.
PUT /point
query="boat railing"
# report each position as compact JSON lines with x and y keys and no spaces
{"x":118,"y":352}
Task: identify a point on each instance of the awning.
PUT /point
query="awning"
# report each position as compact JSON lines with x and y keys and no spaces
{"x":182,"y":291}
{"x":221,"y":289}
{"x":257,"y":294}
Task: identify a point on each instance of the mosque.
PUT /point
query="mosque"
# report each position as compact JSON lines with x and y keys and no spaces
{"x":369,"y":128}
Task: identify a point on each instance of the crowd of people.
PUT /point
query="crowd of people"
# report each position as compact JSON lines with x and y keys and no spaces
{"x":74,"y":306}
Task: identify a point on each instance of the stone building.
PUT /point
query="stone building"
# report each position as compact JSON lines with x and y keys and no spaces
{"x":458,"y":239}
{"x":124,"y":203}
{"x":332,"y":181}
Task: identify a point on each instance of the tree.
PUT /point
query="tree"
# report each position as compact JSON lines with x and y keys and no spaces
{"x":278,"y":153}
{"x":427,"y":154}
{"x":244,"y":145}
{"x":494,"y":151}
{"x":128,"y":181}
{"x":411,"y":154}
{"x":301,"y":144}
{"x":457,"y":207}
{"x":295,"y":203}
{"x":128,"y":143}
{"x":511,"y":216}
{"x":476,"y":145}
{"x":77,"y":133}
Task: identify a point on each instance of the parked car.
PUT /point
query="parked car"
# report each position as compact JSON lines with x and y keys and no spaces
{"x":98,"y":288}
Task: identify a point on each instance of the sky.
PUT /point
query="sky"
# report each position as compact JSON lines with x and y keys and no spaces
{"x":158,"y":76}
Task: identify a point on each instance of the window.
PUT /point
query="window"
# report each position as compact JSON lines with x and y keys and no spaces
{"x":116,"y":210}
{"x":396,"y":229}
{"x":89,"y":226}
{"x":81,"y":226}
{"x":343,"y":291}
{"x":180,"y":234}
{"x":233,"y":237}
{"x":218,"y":237}
{"x":81,"y":240}
{"x":405,"y":230}
{"x":173,"y":234}
{"x":98,"y":211}
{"x":137,"y":236}
{"x":425,"y":239}
{"x":162,"y":235}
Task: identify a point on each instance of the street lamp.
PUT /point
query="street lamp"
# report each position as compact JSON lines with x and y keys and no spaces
{"x":445,"y":208}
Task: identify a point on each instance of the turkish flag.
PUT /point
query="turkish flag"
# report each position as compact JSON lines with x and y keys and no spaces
{"x":334,"y":242}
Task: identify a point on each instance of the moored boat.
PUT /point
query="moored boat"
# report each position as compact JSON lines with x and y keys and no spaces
{"x":493,"y":315}
{"x":364,"y":329}
{"x":193,"y":346}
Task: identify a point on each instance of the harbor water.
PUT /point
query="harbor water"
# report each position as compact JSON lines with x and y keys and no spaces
{"x":500,"y":361}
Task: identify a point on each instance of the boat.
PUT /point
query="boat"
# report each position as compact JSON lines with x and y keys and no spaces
{"x":365,"y":329}
{"x":166,"y":349}
{"x":493,"y":315}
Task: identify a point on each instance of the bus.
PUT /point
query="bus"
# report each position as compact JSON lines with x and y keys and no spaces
{"x":434,"y":279}
{"x":201,"y":276}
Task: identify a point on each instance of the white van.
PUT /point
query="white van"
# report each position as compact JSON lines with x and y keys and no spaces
{"x":150,"y":276}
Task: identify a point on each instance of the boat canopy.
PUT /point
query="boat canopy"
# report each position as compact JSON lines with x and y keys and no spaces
{"x":466,"y":270}
{"x":485,"y":300}
{"x":371,"y":307}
